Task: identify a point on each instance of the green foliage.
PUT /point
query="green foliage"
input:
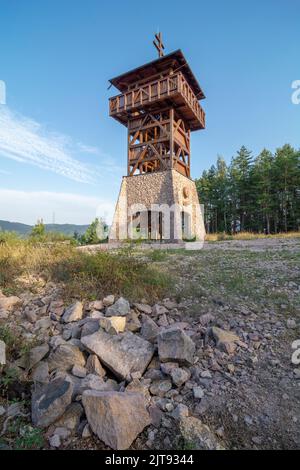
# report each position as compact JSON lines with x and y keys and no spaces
{"x":38,"y":232}
{"x":258,"y":195}
{"x":95,"y":233}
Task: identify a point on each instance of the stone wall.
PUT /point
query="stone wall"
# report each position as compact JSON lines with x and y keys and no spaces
{"x":165,"y":187}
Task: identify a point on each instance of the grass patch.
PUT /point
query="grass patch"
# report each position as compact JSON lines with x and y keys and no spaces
{"x":216,"y":237}
{"x":85,"y":275}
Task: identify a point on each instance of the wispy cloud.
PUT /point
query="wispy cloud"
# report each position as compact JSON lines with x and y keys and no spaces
{"x":25,"y":140}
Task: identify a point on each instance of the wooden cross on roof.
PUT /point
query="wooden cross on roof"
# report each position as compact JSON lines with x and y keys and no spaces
{"x":159,"y":44}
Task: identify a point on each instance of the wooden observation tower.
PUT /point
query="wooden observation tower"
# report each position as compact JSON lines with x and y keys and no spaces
{"x":159,"y":105}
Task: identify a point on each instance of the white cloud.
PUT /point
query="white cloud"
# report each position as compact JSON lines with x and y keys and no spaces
{"x":26,"y":141}
{"x":28,"y":206}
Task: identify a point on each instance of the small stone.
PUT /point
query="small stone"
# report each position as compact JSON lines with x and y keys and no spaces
{"x":108,"y":300}
{"x":144,"y":308}
{"x":181,"y":411}
{"x":73,"y":312}
{"x":54,"y":441}
{"x":2,"y":353}
{"x":206,"y":319}
{"x":226,"y":340}
{"x":120,"y":308}
{"x":93,"y":366}
{"x":113,"y":325}
{"x":198,"y":393}
{"x":159,"y":309}
{"x":231,"y":368}
{"x":87,"y":432}
{"x":2,"y":410}
{"x":291,"y":324}
{"x":71,"y":417}
{"x":297,"y":373}
{"x":160,"y":387}
{"x":206,"y":374}
{"x":133,"y":322}
{"x":79,"y":371}
{"x":198,"y":434}
{"x":179,"y":376}
{"x":169,"y":407}
{"x":96,"y":305}
{"x":163,"y":320}
{"x":256,"y":440}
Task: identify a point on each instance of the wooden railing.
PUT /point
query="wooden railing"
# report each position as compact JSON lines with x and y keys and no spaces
{"x":156,"y":90}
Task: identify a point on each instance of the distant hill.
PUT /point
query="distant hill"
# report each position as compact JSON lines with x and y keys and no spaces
{"x":23,"y":229}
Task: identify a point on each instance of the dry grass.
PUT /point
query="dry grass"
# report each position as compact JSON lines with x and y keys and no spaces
{"x":82,"y":275}
{"x":214,"y":237}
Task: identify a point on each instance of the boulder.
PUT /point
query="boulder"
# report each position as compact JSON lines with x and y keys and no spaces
{"x":175,"y":345}
{"x":113,"y":325}
{"x":65,"y":356}
{"x":117,"y":418}
{"x":122,"y":354}
{"x":120,"y":308}
{"x":49,"y":402}
{"x":198,"y":435}
{"x":149,"y":330}
{"x":73,"y":312}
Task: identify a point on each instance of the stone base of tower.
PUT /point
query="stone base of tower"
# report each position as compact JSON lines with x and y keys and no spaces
{"x":160,"y":206}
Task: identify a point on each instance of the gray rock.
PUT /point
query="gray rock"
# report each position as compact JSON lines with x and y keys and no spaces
{"x":87,"y":432}
{"x":65,"y":356}
{"x":71,"y":417}
{"x":93,"y":366}
{"x":198,"y":435}
{"x":291,"y":324}
{"x":179,"y":376}
{"x":73,"y":312}
{"x":174,"y":345}
{"x":116,"y":418}
{"x":113,"y":325}
{"x":37,"y":354}
{"x":181,"y":411}
{"x":144,"y":308}
{"x":122,"y":354}
{"x":159,"y":309}
{"x":90,"y":327}
{"x":160,"y":387}
{"x":2,"y":353}
{"x":108,"y":300}
{"x":133,"y":322}
{"x":49,"y":402}
{"x":149,"y":330}
{"x":198,"y":393}
{"x":40,"y":373}
{"x":79,"y":371}
{"x":120,"y":308}
{"x":55,"y":441}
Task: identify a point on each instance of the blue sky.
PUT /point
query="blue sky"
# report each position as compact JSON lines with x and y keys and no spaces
{"x":59,"y":150}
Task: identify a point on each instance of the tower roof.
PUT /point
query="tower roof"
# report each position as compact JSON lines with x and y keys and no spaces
{"x":175,"y":59}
